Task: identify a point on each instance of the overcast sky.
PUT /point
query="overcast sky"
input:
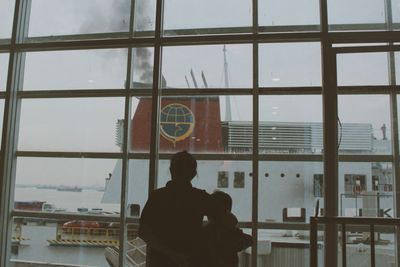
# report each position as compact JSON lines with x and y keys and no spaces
{"x":89,"y":124}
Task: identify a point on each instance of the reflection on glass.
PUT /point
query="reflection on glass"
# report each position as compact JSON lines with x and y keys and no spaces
{"x":3,"y":71}
{"x":286,"y":191}
{"x":356,"y":12}
{"x":6,"y":18}
{"x":190,"y":15}
{"x":290,"y":124}
{"x":76,"y":242}
{"x":70,"y":124}
{"x":58,"y":17}
{"x":290,"y":64}
{"x":366,"y":189}
{"x":213,"y":66}
{"x":142,"y":71}
{"x":279,"y":13}
{"x":79,"y":69}
{"x":64,"y":185}
{"x":366,"y":128}
{"x":362,"y":69}
{"x":206,"y":124}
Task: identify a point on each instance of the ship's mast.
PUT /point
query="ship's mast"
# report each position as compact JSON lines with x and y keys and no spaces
{"x":228,"y":115}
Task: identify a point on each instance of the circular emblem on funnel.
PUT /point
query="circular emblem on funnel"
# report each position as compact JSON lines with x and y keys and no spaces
{"x":176,"y":122}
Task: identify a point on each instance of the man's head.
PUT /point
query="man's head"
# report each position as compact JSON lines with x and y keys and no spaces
{"x":183,"y":167}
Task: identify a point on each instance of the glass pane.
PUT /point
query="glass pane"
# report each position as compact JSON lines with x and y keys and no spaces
{"x":357,"y":14}
{"x":3,"y":71}
{"x":290,"y":124}
{"x":140,"y":125}
{"x":362,"y":69}
{"x":58,"y":17}
{"x":142,"y":72}
{"x":365,"y":129}
{"x":213,"y":66}
{"x":366,"y":189}
{"x":145,"y":17}
{"x":358,"y":246}
{"x":59,"y":242}
{"x":283,"y":247}
{"x":64,"y":185}
{"x":396,"y":12}
{"x":187,"y":16}
{"x":285,"y":13}
{"x":6,"y":18}
{"x":70,"y":124}
{"x":137,"y":185}
{"x":300,"y":182}
{"x":290,"y":64}
{"x":206,"y":124}
{"x":79,"y":69}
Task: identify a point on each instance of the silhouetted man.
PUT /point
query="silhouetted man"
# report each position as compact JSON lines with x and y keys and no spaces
{"x":172,"y":218}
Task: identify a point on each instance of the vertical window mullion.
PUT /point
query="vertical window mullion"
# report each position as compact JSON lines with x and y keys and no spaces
{"x":10,"y":127}
{"x":395,"y":125}
{"x":255,"y":163}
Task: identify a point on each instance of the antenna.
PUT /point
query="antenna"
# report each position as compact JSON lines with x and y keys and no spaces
{"x":187,"y":82}
{"x":204,"y":79}
{"x":228,"y":115}
{"x":193,"y":78}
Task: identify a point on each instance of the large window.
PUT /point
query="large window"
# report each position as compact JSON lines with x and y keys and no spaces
{"x":97,"y":95}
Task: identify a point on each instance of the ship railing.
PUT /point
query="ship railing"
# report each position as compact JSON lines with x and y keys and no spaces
{"x":372,"y":225}
{"x":97,"y":233}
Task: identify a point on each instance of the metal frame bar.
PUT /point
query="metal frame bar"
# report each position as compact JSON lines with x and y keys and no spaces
{"x":329,"y":95}
{"x":10,"y":130}
{"x":344,"y":256}
{"x":125,"y":149}
{"x":255,"y":163}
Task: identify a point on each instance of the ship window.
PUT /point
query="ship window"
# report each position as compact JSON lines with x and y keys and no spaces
{"x":318,"y":185}
{"x":354,"y":183}
{"x":223,"y":179}
{"x":238,"y":181}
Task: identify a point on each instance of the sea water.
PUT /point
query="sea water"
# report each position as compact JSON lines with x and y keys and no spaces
{"x":68,"y":200}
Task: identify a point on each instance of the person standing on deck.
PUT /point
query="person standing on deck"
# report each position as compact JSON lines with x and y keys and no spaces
{"x":171,"y":221}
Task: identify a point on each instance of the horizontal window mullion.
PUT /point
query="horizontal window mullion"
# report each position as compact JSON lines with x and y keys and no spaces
{"x":83,"y":93}
{"x":368,"y":89}
{"x":291,"y":157}
{"x":5,"y":47}
{"x":365,"y":49}
{"x":301,"y":90}
{"x":206,"y":92}
{"x":59,"y":154}
{"x":365,"y":158}
{"x":65,"y":216}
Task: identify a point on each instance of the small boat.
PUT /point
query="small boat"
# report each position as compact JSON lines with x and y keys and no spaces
{"x":69,"y":188}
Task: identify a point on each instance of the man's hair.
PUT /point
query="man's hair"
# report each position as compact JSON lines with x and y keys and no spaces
{"x":183,"y":166}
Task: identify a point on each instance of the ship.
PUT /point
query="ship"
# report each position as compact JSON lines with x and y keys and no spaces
{"x":69,"y":188}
